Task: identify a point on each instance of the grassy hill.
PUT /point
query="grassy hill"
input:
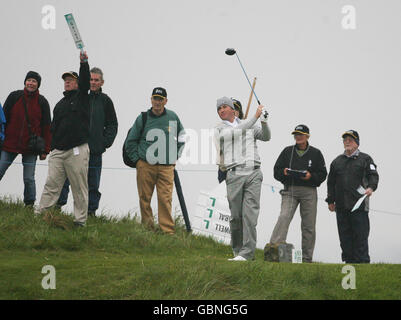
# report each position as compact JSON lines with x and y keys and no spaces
{"x":119,"y":259}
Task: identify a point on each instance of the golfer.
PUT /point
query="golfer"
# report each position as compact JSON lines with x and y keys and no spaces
{"x":238,"y":154}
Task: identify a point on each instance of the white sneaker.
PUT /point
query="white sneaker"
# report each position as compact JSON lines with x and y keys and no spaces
{"x":237,"y":258}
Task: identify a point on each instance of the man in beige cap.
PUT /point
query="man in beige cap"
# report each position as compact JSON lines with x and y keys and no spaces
{"x":70,"y":152}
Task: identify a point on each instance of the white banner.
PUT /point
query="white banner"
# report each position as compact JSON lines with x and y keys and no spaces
{"x":212,"y":216}
{"x":74,"y":31}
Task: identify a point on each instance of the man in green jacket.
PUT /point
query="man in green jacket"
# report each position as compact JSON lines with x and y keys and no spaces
{"x":103,"y":126}
{"x":155,"y":145}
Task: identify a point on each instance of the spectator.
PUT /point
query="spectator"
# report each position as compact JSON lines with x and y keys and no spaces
{"x":103,"y":127}
{"x":155,"y":149}
{"x":70,"y":151}
{"x":26,"y":113}
{"x":300,"y":188}
{"x":352,"y":175}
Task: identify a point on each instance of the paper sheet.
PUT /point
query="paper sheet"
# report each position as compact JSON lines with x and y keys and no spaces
{"x":358,"y":203}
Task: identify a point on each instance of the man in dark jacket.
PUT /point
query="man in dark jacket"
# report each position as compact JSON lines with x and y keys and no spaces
{"x":103,"y":127}
{"x":352,"y":175}
{"x":70,"y":151}
{"x":301,"y":169}
{"x":17,"y":133}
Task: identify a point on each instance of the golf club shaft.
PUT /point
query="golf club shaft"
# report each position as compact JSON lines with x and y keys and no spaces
{"x":248,"y":79}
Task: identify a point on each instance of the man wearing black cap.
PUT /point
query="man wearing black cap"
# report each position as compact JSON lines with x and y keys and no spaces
{"x":352,"y":175}
{"x":27,"y":114}
{"x":70,"y":152}
{"x":301,"y":169}
{"x":155,"y":143}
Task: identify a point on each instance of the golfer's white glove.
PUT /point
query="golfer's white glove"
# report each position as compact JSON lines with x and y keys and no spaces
{"x":264,"y":116}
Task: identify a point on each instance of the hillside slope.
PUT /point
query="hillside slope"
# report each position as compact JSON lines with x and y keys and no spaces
{"x":119,"y":259}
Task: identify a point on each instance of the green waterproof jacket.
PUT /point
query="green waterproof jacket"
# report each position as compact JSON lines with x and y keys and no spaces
{"x":159,"y":142}
{"x":103,"y":123}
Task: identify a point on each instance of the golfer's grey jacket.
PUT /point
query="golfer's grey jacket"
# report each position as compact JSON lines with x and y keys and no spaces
{"x":236,"y":143}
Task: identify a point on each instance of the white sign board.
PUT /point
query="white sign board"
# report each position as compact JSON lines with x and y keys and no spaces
{"x":212,"y":216}
{"x":74,"y":31}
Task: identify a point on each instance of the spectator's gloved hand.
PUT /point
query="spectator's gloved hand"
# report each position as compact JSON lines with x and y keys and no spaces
{"x":264,"y":116}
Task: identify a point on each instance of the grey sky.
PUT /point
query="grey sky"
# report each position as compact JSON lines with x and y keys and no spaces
{"x":309,"y":69}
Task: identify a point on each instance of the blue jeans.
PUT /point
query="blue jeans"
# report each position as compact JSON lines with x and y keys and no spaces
{"x":29,"y":165}
{"x":94,"y":173}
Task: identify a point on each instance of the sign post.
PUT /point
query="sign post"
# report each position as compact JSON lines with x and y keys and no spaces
{"x":74,"y":31}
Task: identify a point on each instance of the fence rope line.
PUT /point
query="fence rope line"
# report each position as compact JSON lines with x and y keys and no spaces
{"x":272,"y":187}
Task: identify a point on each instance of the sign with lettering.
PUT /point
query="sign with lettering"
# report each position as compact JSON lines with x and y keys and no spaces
{"x":212,"y":216}
{"x":74,"y":31}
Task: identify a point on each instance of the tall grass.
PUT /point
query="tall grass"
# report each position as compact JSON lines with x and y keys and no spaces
{"x":114,"y":258}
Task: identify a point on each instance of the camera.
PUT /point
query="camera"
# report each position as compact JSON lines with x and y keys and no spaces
{"x":296,"y":173}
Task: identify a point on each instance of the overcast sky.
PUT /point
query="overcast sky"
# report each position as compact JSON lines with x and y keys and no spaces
{"x":310,"y":70}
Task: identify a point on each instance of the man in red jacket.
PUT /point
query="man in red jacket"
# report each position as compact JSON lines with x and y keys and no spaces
{"x":17,"y":133}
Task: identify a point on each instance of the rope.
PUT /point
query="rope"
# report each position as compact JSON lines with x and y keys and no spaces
{"x":273,"y":188}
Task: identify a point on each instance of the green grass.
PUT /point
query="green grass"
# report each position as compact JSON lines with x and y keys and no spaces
{"x":119,"y":259}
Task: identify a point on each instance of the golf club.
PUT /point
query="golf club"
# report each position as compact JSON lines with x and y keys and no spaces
{"x":231,"y":52}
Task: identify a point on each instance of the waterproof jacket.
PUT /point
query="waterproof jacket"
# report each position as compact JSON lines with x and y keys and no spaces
{"x":103,"y":123}
{"x":159,"y":141}
{"x":311,"y":160}
{"x":346,"y":175}
{"x":16,"y":129}
{"x":70,"y":125}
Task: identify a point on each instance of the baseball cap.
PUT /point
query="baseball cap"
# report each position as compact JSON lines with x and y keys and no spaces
{"x":301,"y":129}
{"x":238,"y":107}
{"x":353,"y":134}
{"x":70,"y":74}
{"x":159,"y":92}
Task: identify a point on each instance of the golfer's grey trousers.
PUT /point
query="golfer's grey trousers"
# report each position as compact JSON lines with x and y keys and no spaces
{"x":306,"y":197}
{"x":243,"y":193}
{"x":71,"y":164}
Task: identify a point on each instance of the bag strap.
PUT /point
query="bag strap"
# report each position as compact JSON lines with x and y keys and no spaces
{"x":26,"y":115}
{"x":144,"y":119}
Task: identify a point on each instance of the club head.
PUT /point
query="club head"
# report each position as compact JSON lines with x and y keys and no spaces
{"x":230,"y":51}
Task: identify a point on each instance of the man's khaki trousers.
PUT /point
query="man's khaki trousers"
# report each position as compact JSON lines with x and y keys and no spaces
{"x":306,"y":197}
{"x":162,"y":176}
{"x":71,"y":164}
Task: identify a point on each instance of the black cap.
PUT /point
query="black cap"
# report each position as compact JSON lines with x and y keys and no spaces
{"x":159,"y":92}
{"x":33,"y":75}
{"x":301,"y":129}
{"x":70,"y":74}
{"x":238,"y":107}
{"x":353,"y":134}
